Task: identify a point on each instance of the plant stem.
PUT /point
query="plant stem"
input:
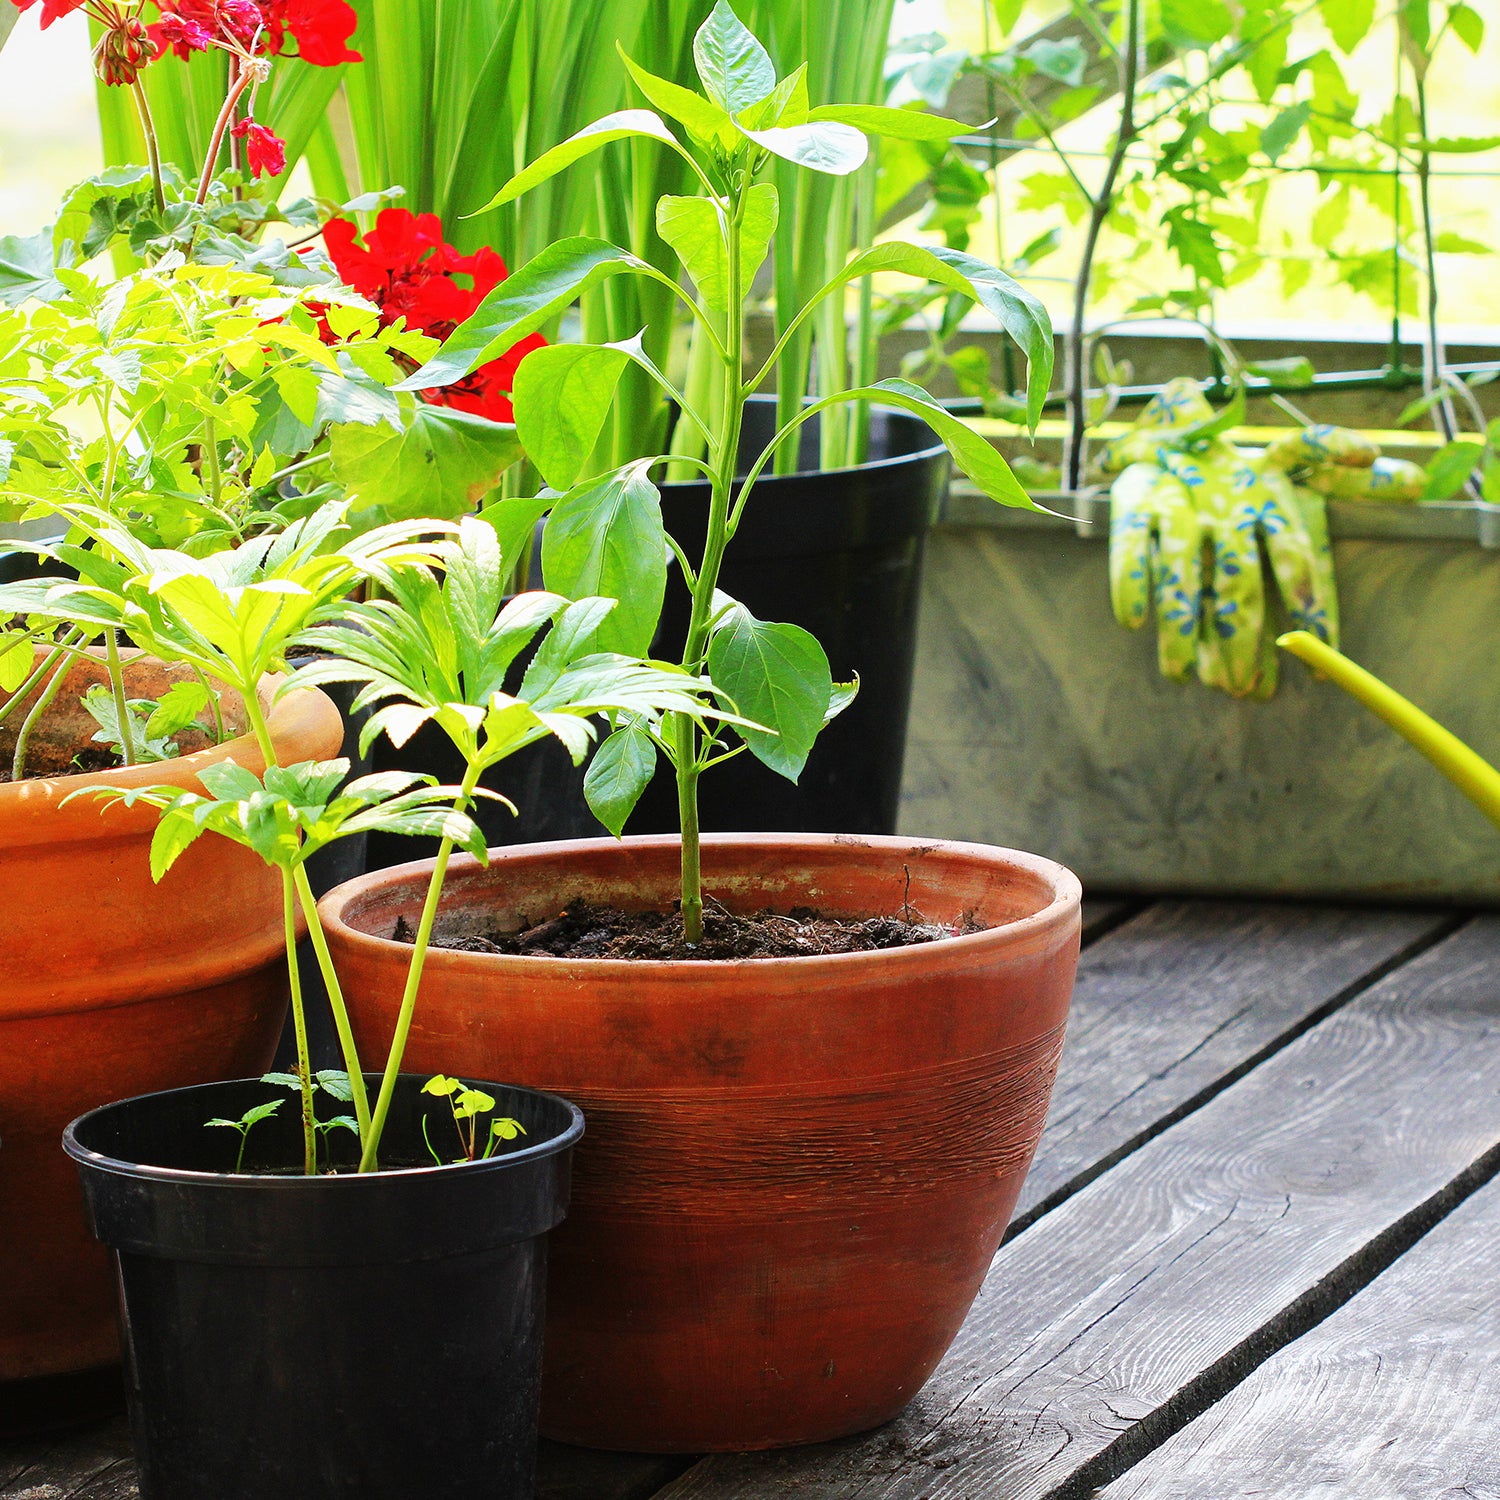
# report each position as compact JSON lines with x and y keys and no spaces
{"x":211,"y":453}
{"x":369,"y":1157}
{"x":23,"y":737}
{"x":117,"y":691}
{"x":299,"y":1022}
{"x":40,"y":671}
{"x":1432,"y":344}
{"x":1102,"y":203}
{"x":1474,"y":776}
{"x":216,"y":140}
{"x":335,"y":1000}
{"x":685,"y":730}
{"x":220,"y":732}
{"x":153,"y":151}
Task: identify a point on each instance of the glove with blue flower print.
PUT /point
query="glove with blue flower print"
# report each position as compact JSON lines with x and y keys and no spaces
{"x":1191,"y":520}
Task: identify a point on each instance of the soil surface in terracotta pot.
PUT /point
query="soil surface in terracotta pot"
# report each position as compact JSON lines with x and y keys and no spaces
{"x":797,"y":1170}
{"x":115,"y":986}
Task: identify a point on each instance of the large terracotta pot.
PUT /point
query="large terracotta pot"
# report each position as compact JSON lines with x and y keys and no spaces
{"x":115,"y":986}
{"x":797,"y":1170}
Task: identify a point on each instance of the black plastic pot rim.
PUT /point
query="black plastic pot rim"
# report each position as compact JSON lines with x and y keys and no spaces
{"x":870,"y":464}
{"x":291,"y":1183}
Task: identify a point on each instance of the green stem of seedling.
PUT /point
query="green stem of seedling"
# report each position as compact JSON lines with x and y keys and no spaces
{"x":220,"y":732}
{"x":23,"y":737}
{"x":369,"y":1158}
{"x":335,"y":1000}
{"x":299,"y":1022}
{"x":1474,"y":776}
{"x":688,"y":765}
{"x":47,"y":663}
{"x":117,"y":691}
{"x":153,"y":151}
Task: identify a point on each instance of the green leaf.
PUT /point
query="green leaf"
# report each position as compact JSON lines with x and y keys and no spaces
{"x":1194,"y":25}
{"x":733,"y":67}
{"x":1449,"y":468}
{"x":702,"y":117}
{"x":1348,"y":21}
{"x":562,"y":396}
{"x":28,"y":269}
{"x":827,"y":147}
{"x":1294,"y":371}
{"x":335,"y":1083}
{"x":441,"y":1085}
{"x":282,"y":1080}
{"x":1284,"y":129}
{"x":606,"y":539}
{"x":620,"y":771}
{"x":777,"y":675}
{"x":174,"y":832}
{"x":177,"y":708}
{"x":1194,"y":243}
{"x":1454,"y":145}
{"x":1017,"y":311}
{"x":438,"y":465}
{"x":691,"y":227}
{"x":16,"y":657}
{"x":844,"y":693}
{"x":975,"y":456}
{"x":1468,"y":26}
{"x":521,"y":304}
{"x":99,"y":208}
{"x":618,"y":126}
{"x":786,"y":104}
{"x":258,"y":1112}
{"x":894,"y":124}
{"x":514,"y":519}
{"x":1063,"y":60}
{"x":1449,"y":243}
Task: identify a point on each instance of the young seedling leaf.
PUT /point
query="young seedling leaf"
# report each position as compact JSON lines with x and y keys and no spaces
{"x":606,"y":538}
{"x":521,"y":304}
{"x":282,"y":1080}
{"x":777,"y":675}
{"x":734,"y":69}
{"x":894,"y":124}
{"x":335,"y":1083}
{"x":619,"y":773}
{"x":615,"y":127}
{"x":691,"y":226}
{"x":825,"y":146}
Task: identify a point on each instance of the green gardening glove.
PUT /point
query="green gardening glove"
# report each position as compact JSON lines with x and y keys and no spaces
{"x":1189,"y":524}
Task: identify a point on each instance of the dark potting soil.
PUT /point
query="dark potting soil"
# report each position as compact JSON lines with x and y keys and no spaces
{"x":585,"y":931}
{"x":84,"y":763}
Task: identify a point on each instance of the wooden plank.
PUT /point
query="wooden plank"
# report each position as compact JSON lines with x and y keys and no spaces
{"x":1183,"y":998}
{"x":1397,"y":1394}
{"x":1144,"y":1297}
{"x":1103,"y":913}
{"x":70,"y":1467}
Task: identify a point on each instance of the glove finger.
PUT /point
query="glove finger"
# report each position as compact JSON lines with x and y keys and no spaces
{"x":1238,"y":611}
{"x":1303,"y":586}
{"x":1131,"y":521}
{"x":1312,"y":511}
{"x":1178,"y":578}
{"x":1321,"y":445}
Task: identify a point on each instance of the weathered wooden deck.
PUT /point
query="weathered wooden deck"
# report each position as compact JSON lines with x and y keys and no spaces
{"x":1257,"y":1254}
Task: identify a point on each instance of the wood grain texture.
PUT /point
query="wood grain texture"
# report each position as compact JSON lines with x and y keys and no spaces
{"x":1185,"y":1257}
{"x":1394,"y":1397}
{"x":1185,"y":995}
{"x":91,"y":1465}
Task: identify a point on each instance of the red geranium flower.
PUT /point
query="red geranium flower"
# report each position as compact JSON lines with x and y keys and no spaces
{"x":52,"y":10}
{"x":320,"y":28}
{"x":407,"y":271}
{"x":265,"y":151}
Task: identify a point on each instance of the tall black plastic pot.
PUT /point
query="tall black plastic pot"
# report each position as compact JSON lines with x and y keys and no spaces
{"x":328,"y":1337}
{"x":838,"y":552}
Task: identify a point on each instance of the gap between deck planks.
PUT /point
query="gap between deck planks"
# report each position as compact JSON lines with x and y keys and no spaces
{"x":1172,"y":1000}
{"x":1195,"y":1258}
{"x":1395,"y":1397}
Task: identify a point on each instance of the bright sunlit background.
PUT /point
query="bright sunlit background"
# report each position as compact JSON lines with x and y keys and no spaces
{"x":49,"y":139}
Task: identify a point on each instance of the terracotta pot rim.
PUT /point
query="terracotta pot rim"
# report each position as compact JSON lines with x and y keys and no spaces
{"x":290,"y":715}
{"x":1067,"y":895}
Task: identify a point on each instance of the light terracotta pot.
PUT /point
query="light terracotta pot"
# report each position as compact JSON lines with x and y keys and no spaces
{"x":796,"y":1170}
{"x":115,"y":986}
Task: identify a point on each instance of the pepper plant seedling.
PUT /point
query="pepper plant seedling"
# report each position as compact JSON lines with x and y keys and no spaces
{"x":605,"y":534}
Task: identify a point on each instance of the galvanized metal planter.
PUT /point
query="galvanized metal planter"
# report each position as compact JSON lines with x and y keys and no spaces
{"x":1040,"y":724}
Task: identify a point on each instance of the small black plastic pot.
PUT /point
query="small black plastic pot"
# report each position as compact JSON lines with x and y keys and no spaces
{"x":325,"y":1338}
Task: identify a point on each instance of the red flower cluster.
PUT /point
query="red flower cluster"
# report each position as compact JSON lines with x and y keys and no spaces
{"x":407,"y":271}
{"x":320,"y":28}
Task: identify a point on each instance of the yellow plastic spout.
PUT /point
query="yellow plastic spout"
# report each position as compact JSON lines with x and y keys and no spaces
{"x":1474,"y":776}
